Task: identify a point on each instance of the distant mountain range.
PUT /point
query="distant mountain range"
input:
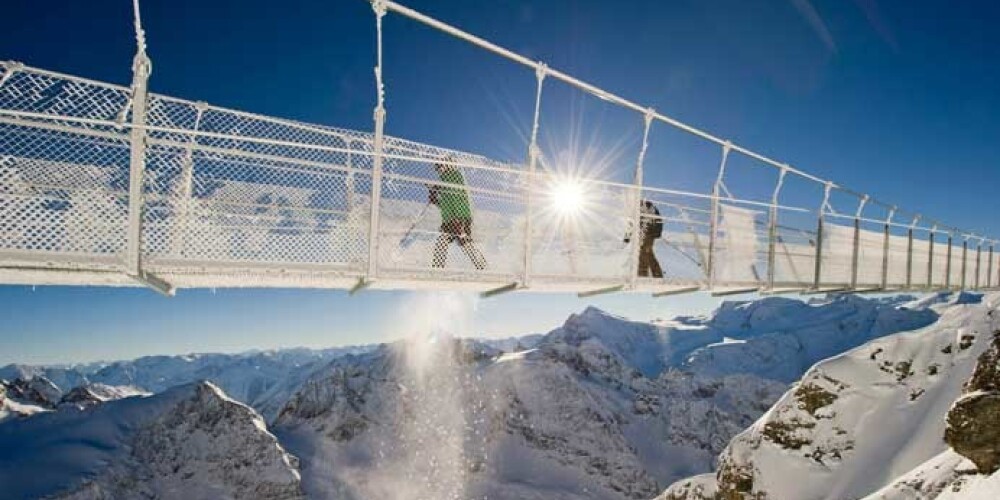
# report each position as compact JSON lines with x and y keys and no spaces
{"x":601,"y":408}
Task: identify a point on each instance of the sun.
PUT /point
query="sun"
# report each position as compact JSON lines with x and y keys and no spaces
{"x":567,"y":196}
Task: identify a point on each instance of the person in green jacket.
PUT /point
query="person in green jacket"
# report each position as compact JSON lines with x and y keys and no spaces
{"x":452,"y":199}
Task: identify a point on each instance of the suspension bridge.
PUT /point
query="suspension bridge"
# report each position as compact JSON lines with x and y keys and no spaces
{"x":104,"y":184}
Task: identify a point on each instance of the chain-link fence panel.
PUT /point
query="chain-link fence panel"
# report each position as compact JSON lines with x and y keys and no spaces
{"x":226,"y":188}
{"x":63,"y":178}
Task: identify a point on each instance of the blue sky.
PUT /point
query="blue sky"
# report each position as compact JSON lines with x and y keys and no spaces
{"x":896,"y":98}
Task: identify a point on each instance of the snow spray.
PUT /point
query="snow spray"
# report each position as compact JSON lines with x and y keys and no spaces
{"x":431,"y":415}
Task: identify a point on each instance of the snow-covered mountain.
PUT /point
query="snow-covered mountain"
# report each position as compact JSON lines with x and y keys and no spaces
{"x":189,"y":442}
{"x":24,"y":398}
{"x":600,"y":408}
{"x":858,"y":421}
{"x":261,"y":379}
{"x":87,"y":395}
{"x":62,"y":377}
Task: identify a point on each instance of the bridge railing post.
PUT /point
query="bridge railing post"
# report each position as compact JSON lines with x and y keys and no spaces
{"x":965,"y":256}
{"x":377,"y":148}
{"x":909,"y":252}
{"x":989,"y":267}
{"x":856,"y":244}
{"x":637,"y":202}
{"x":820,"y":221}
{"x":947,"y":263}
{"x":187,"y":183}
{"x":930,"y":257}
{"x":884,"y":283}
{"x":713,"y":225}
{"x":772,"y":228}
{"x":979,"y":256}
{"x":541,"y":70}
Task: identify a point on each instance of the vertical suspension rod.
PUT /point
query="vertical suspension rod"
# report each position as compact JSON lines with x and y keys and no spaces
{"x":856,"y":249}
{"x":965,"y":256}
{"x":947,"y":264}
{"x":909,"y":252}
{"x":187,"y":177}
{"x":930,"y":258}
{"x":820,"y":221}
{"x":885,"y":248}
{"x":772,"y":228}
{"x":979,"y":256}
{"x":637,"y":234}
{"x":989,"y":267}
{"x":379,"y":7}
{"x":533,"y":153}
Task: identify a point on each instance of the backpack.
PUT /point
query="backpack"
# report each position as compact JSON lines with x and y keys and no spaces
{"x":653,"y":227}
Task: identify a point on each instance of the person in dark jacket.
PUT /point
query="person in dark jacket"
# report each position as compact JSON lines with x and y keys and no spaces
{"x":452,"y":199}
{"x":650,"y":229}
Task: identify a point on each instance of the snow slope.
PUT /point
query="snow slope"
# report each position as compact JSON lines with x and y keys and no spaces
{"x":857,"y":421}
{"x":971,"y":468}
{"x":188,"y":442}
{"x":948,"y":476}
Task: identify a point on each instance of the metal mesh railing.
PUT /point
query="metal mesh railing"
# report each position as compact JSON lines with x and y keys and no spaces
{"x":231,"y":196}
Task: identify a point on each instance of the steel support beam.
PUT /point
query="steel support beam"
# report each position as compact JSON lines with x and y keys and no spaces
{"x":499,"y":290}
{"x":361,"y":284}
{"x":600,"y":291}
{"x":152,"y":281}
{"x":734,"y":291}
{"x":676,"y":291}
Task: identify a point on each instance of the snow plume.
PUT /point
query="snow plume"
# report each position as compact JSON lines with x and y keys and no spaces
{"x":427,"y":454}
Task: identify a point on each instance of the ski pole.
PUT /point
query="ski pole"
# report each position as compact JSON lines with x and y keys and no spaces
{"x":416,"y":221}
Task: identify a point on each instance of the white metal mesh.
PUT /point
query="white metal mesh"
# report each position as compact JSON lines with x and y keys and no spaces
{"x":739,"y":246}
{"x":62,"y":183}
{"x":237,"y":199}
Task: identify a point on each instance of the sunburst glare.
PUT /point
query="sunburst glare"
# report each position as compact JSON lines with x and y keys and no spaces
{"x":567,"y":196}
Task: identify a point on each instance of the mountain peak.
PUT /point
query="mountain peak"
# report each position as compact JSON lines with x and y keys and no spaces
{"x":191,"y":438}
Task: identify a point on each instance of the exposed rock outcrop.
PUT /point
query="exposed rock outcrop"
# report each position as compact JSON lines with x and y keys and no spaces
{"x":974,"y":421}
